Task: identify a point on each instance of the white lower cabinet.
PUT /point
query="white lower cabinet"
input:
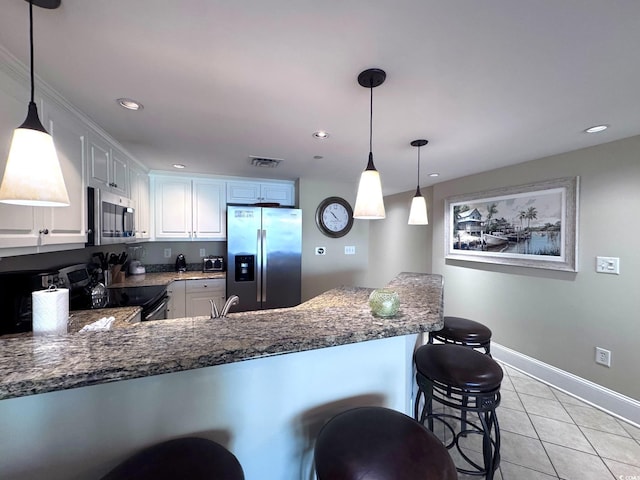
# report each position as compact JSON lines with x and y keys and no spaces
{"x":176,"y":305}
{"x":190,"y":298}
{"x":198,"y":294}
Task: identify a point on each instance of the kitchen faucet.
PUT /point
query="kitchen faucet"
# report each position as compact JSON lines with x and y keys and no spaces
{"x":231,"y":301}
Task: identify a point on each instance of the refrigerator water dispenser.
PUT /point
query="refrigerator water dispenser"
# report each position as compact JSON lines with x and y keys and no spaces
{"x":245,"y":268}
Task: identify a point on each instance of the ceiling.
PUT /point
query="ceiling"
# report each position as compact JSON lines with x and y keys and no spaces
{"x":488,"y":83}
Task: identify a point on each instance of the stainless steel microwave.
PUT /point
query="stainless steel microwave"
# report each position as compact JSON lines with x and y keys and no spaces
{"x":110,"y":218}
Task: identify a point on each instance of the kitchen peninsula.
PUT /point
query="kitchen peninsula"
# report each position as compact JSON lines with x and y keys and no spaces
{"x":75,"y":405}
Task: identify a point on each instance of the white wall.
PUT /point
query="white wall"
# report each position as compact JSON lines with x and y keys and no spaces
{"x":559,"y":317}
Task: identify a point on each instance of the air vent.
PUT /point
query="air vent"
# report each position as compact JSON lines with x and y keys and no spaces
{"x":265,"y":162}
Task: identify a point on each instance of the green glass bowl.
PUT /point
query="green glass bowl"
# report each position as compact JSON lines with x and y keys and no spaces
{"x":384,"y":302}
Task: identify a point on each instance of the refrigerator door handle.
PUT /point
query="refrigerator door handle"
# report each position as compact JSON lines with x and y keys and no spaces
{"x":264,"y":265}
{"x":258,"y":272}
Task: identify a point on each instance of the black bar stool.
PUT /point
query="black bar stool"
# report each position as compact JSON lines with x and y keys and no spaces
{"x":181,"y":458}
{"x":378,"y":443}
{"x":467,"y":382}
{"x":462,"y":331}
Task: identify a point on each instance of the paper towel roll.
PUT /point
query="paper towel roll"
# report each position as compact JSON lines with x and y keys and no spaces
{"x":50,"y":311}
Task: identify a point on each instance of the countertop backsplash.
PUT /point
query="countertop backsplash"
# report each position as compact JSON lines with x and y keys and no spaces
{"x":152,"y":257}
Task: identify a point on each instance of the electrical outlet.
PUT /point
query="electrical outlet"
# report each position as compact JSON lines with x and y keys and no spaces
{"x":167,"y":253}
{"x":603,"y":357}
{"x":202,"y":252}
{"x":321,"y":251}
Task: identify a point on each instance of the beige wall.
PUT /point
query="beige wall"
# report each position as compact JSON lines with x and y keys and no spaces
{"x":395,"y":246}
{"x":384,"y":248}
{"x":558,"y":317}
{"x":321,"y":273}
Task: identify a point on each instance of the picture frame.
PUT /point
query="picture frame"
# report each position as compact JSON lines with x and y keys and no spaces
{"x":533,"y":225}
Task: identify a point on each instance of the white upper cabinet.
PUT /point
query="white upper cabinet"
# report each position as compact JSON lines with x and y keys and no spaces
{"x":119,"y":173}
{"x":187,"y":208}
{"x":17,"y":223}
{"x":140,"y":193}
{"x":108,"y":168}
{"x":261,"y":192}
{"x":209,"y":209}
{"x":39,"y":229}
{"x":66,"y":225}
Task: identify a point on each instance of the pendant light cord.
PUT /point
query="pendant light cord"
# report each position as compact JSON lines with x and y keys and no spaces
{"x":31,"y":46}
{"x":371,"y":119}
{"x":419,"y":167}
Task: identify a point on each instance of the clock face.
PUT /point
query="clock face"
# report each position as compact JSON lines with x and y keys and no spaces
{"x":334,"y":217}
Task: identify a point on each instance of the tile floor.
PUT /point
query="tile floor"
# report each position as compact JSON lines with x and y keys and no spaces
{"x":547,"y":434}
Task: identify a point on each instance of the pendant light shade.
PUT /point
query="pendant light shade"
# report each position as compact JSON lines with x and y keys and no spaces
{"x":418,"y":212}
{"x":33,"y":175}
{"x":369,"y":202}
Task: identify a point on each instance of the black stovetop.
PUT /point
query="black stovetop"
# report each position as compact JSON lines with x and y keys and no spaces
{"x":144,"y":296}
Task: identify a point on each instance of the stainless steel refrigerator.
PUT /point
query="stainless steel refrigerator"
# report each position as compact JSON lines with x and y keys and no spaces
{"x":264,"y":248}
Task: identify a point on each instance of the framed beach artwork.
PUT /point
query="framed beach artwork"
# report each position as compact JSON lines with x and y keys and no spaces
{"x":531,"y":225}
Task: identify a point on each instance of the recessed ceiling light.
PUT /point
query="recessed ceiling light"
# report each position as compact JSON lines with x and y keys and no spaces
{"x":597,"y":128}
{"x":178,"y":165}
{"x":434,"y":174}
{"x":321,"y":134}
{"x":129,"y":104}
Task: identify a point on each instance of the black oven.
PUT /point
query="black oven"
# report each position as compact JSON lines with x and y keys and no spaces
{"x":15,"y":298}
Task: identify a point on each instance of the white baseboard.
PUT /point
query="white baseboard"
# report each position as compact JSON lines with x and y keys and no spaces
{"x":611,"y":402}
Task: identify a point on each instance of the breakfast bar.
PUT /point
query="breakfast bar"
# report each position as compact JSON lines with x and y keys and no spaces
{"x":259,"y":382}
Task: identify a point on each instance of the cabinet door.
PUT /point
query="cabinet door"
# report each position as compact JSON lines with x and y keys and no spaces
{"x":198,"y":305}
{"x":281,"y":193}
{"x":176,"y":304}
{"x":209,"y":205}
{"x":139,"y":192}
{"x":246,"y":193}
{"x":17,"y":223}
{"x":198,"y":294}
{"x":99,"y":160}
{"x":172,"y":208}
{"x":119,"y":174}
{"x":67,"y":225}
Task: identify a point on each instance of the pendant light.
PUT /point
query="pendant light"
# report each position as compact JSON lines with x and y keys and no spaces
{"x":33,"y":175}
{"x":418,"y":212}
{"x":369,"y":202}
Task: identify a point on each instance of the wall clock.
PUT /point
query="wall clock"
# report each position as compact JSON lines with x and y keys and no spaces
{"x":334,"y":217}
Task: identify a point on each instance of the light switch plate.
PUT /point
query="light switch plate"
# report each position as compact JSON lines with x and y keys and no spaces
{"x":608,"y":265}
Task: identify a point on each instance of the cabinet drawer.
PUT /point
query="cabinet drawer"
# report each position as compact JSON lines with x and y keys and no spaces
{"x":205,"y":285}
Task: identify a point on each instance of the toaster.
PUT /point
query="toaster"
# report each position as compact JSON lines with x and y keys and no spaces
{"x":213,"y":264}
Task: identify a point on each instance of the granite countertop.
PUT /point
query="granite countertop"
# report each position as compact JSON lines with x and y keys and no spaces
{"x":338,"y":317}
{"x":123,"y":317}
{"x":165,"y":278}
